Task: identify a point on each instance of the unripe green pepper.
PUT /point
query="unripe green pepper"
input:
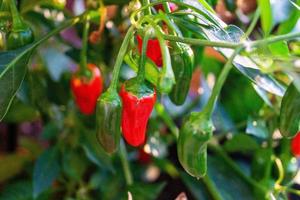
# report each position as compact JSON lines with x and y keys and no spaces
{"x":21,"y":34}
{"x":109,"y":109}
{"x":182,"y":58}
{"x":192,"y":144}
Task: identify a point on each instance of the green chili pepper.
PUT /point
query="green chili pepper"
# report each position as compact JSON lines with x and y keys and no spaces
{"x":192,"y":144}
{"x":109,"y":109}
{"x":182,"y":58}
{"x":289,"y":122}
{"x":21,"y":34}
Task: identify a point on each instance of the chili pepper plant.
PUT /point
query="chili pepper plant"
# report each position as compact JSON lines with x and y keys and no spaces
{"x":149,"y":99}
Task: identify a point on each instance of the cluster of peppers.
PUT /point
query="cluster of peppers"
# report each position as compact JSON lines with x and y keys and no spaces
{"x":128,"y":110}
{"x":14,"y":32}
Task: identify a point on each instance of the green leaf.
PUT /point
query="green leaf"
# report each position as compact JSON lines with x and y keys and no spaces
{"x":11,"y":165}
{"x":21,"y":112}
{"x":229,"y":184}
{"x":74,"y":164}
{"x":279,"y":49}
{"x":13,"y":67}
{"x":197,"y":188}
{"x":207,"y":6}
{"x":262,"y":164}
{"x":257,"y":128}
{"x":145,"y":191}
{"x":289,"y":123}
{"x":46,"y":170}
{"x":288,"y":25}
{"x":20,"y":190}
{"x":94,"y":152}
{"x":266,"y":15}
{"x":241,"y":143}
{"x":234,"y":34}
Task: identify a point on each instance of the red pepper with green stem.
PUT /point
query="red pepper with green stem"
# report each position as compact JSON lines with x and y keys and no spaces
{"x":21,"y":34}
{"x":138,"y":99}
{"x":87,"y":82}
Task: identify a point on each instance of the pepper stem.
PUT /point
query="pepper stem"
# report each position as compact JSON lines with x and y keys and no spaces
{"x":141,"y":72}
{"x":208,"y":109}
{"x":120,"y":57}
{"x":83,"y":52}
{"x":18,"y":24}
{"x":148,"y":9}
{"x":125,"y":164}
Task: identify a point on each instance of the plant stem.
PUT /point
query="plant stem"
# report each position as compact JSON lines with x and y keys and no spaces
{"x":212,"y":188}
{"x":233,"y":166}
{"x":207,"y":15}
{"x":125,"y":164}
{"x":141,"y":71}
{"x":220,"y":82}
{"x":166,"y":7}
{"x":148,"y":9}
{"x":83,"y":52}
{"x":200,"y":42}
{"x":167,"y":119}
{"x":274,"y":39}
{"x":280,"y":172}
{"x":253,"y":23}
{"x":120,"y":57}
{"x":17,"y":21}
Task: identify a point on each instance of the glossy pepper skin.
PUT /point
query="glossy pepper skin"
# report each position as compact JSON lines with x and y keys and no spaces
{"x":19,"y":38}
{"x":138,"y":102}
{"x":87,"y":90}
{"x":21,"y":33}
{"x":109,"y":108}
{"x":295,"y":145}
{"x":153,"y":51}
{"x":192,"y":144}
{"x":182,"y":58}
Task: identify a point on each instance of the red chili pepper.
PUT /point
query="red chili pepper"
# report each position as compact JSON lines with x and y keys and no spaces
{"x":86,"y":91}
{"x":295,"y":145}
{"x":135,"y":114}
{"x":153,"y":51}
{"x":172,"y":7}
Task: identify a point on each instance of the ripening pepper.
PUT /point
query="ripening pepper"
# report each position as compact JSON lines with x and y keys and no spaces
{"x":153,"y":51}
{"x":108,"y":119}
{"x":295,"y":145}
{"x":21,"y":33}
{"x":86,"y":90}
{"x":138,"y":101}
{"x":182,"y":58}
{"x":192,"y":144}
